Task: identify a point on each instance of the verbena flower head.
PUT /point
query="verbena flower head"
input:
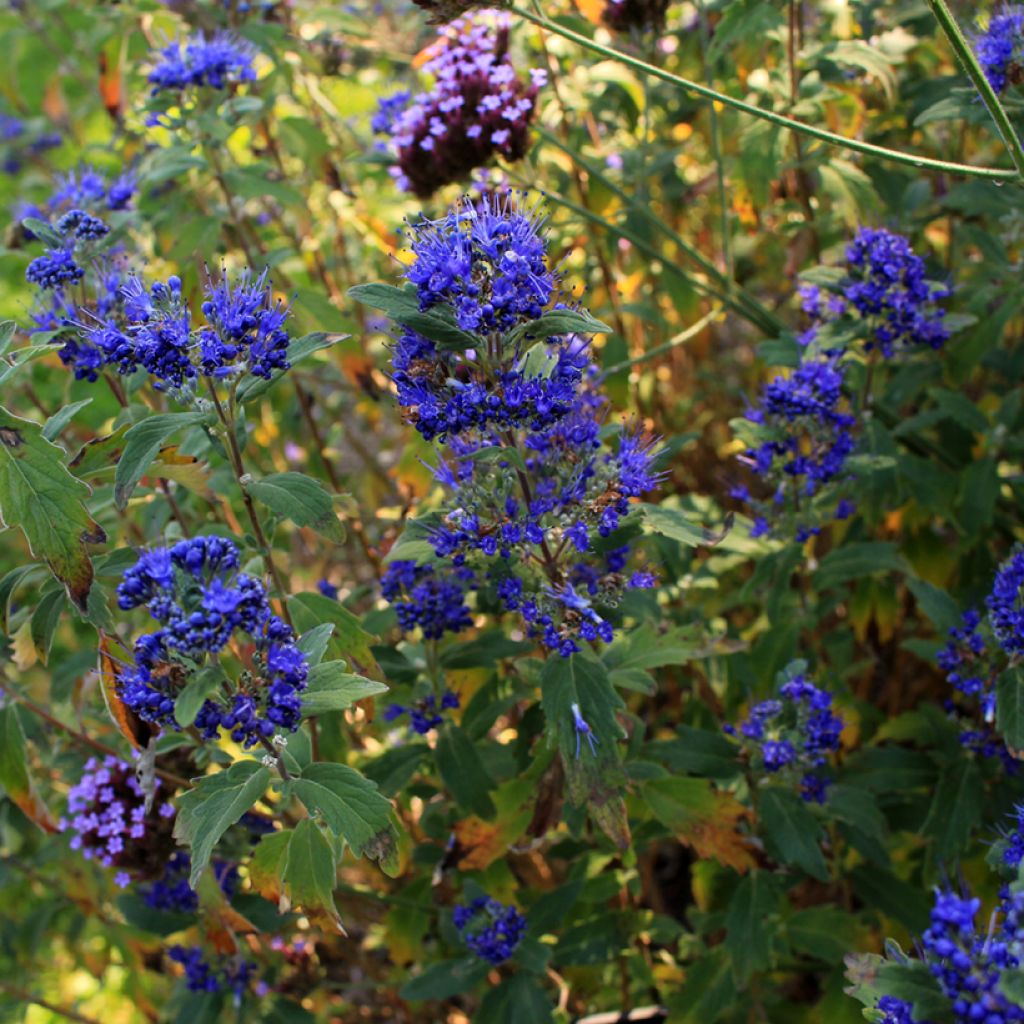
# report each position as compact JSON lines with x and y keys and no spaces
{"x":214,"y":972}
{"x":803,"y":434}
{"x":202,"y":602}
{"x":635,"y":15}
{"x":424,"y":714}
{"x":490,"y":929}
{"x":794,"y":733}
{"x":108,"y":820}
{"x":216,"y":61}
{"x":998,"y":47}
{"x":430,"y":598}
{"x":476,"y":109}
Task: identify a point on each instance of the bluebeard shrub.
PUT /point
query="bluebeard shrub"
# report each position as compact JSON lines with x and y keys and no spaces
{"x":998,"y":47}
{"x":490,"y":929}
{"x":215,"y":61}
{"x":211,"y":972}
{"x":477,"y":108}
{"x":425,"y":714}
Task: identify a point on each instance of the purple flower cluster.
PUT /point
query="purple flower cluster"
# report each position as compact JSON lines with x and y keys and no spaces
{"x":195,"y":592}
{"x":534,"y":494}
{"x":216,"y":973}
{"x":802,"y":438}
{"x":885,"y":288}
{"x":998,"y":48}
{"x":490,"y":929}
{"x":20,"y":142}
{"x":794,"y":733}
{"x":428,"y":597}
{"x":476,"y":109}
{"x":108,"y":818}
{"x":216,"y":61}
{"x":86,"y":187}
{"x":425,"y":714}
{"x":635,"y":15}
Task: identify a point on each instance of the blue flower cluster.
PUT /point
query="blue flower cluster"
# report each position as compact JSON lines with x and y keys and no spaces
{"x":195,"y":592}
{"x":998,"y":47}
{"x":217,"y":61}
{"x":152,"y":329}
{"x":425,"y":714}
{"x":86,"y":187}
{"x":21,"y":141}
{"x":490,"y":929}
{"x":108,"y":818}
{"x":895,"y":1011}
{"x":428,"y":597}
{"x":1005,"y":605}
{"x":477,"y":108}
{"x":534,"y":493}
{"x":171,"y":892}
{"x":802,"y":438}
{"x":886,"y":289}
{"x":213,"y":973}
{"x":794,"y":733}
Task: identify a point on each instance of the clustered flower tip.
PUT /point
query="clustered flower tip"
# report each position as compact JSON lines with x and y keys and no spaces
{"x":998,"y":47}
{"x":21,"y":141}
{"x":213,"y":972}
{"x":793,"y":733}
{"x":490,"y":929}
{"x":534,"y":494}
{"x":201,"y":601}
{"x":216,"y":61}
{"x":107,"y":817}
{"x":424,"y":714}
{"x":476,"y":109}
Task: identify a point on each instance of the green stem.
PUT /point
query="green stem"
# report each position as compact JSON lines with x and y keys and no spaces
{"x":989,"y":97}
{"x":675,"y":342}
{"x":881,"y":152}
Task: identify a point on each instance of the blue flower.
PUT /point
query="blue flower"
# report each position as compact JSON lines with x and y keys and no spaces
{"x":998,"y":47}
{"x":490,"y":929}
{"x":582,"y":728}
{"x":215,"y":61}
{"x":424,"y":596}
{"x":213,"y":972}
{"x":424,"y":714}
{"x":56,"y":267}
{"x":1006,"y":605}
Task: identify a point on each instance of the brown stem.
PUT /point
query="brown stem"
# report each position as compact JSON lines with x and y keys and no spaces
{"x":62,"y":1011}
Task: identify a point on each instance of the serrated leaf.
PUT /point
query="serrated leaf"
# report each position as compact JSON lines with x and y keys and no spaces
{"x":748,"y":934}
{"x":40,"y":496}
{"x":203,"y":684}
{"x":213,"y":805}
{"x":824,"y":933}
{"x":594,"y":777}
{"x":349,"y":639}
{"x":955,"y":809}
{"x":45,"y":619}
{"x":791,"y":833}
{"x":309,"y":873}
{"x":854,"y":561}
{"x":351,"y":807}
{"x":313,"y":643}
{"x":266,"y":863}
{"x":445,"y":979}
{"x":142,"y":443}
{"x":1010,"y":708}
{"x":517,"y":1000}
{"x":14,"y":775}
{"x":463,"y":772}
{"x":331,"y":688}
{"x":403,"y":307}
{"x":60,"y":419}
{"x":555,"y":323}
{"x":301,"y":499}
{"x":677,"y":525}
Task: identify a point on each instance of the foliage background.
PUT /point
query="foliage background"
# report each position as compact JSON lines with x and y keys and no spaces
{"x":684,"y":225}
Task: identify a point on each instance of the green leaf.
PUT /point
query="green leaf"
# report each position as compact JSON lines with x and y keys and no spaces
{"x":45,"y":619}
{"x":142,"y":444}
{"x":14,"y":775}
{"x":203,"y":684}
{"x":313,"y":643}
{"x":594,"y":777}
{"x":462,"y":771}
{"x":60,"y":419}
{"x":1010,"y":707}
{"x":941,"y":609}
{"x":517,"y":1000}
{"x":445,"y":979}
{"x":298,"y":349}
{"x":1011,"y":984}
{"x":855,"y":561}
{"x":8,"y":328}
{"x":748,"y":934}
{"x":395,"y":767}
{"x":955,"y":809}
{"x":352,"y":809}
{"x":824,"y":933}
{"x":791,"y":833}
{"x":331,"y":688}
{"x":914,"y":982}
{"x":677,"y":525}
{"x":40,"y":496}
{"x":301,"y":499}
{"x":349,"y":639}
{"x":556,"y":322}
{"x":309,"y":872}
{"x":698,"y":752}
{"x":43,"y":231}
{"x":402,"y":306}
{"x":213,"y":805}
